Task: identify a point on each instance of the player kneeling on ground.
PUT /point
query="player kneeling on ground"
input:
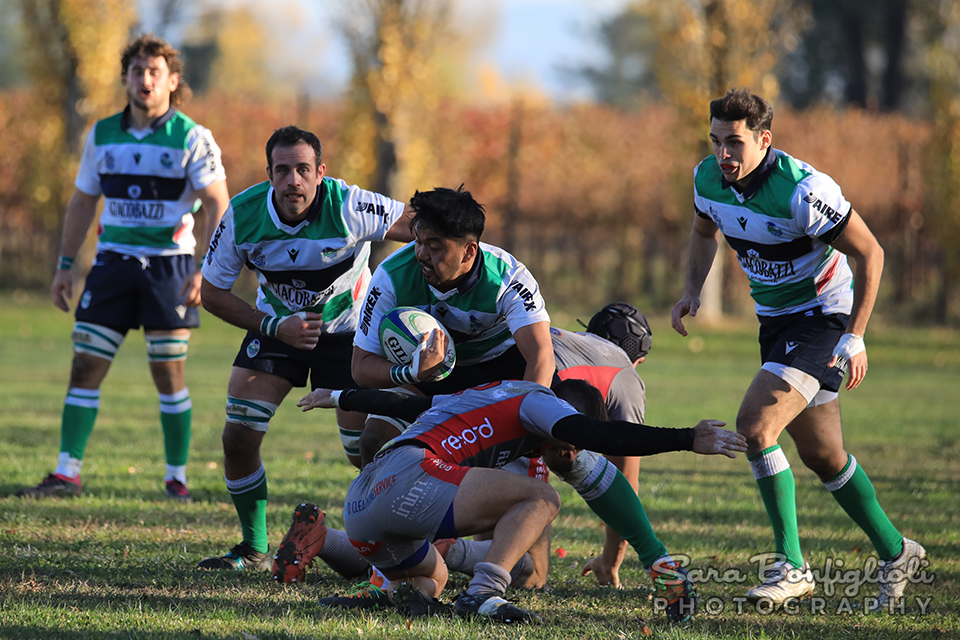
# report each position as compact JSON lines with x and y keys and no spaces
{"x":438,"y":480}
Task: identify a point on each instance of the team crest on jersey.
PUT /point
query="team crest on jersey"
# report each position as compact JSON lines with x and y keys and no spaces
{"x":716,"y":218}
{"x":109,"y":161}
{"x":134,"y":191}
{"x":253,"y":348}
{"x":85,"y":299}
{"x":165,"y":161}
{"x":257,"y":258}
{"x":774,"y":230}
{"x":329,"y":253}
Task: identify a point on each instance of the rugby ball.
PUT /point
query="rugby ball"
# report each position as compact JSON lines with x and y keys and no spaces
{"x":400,"y":332}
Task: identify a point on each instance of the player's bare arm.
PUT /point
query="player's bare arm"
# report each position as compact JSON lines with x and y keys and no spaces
{"x":215,"y":199}
{"x":373,"y":370}
{"x":301,"y":331}
{"x":704,"y":240}
{"x":859,"y":243}
{"x":400,"y":231}
{"x":81,"y":211}
{"x":535,"y":346}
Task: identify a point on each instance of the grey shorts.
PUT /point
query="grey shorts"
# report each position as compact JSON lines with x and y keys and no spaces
{"x":399,"y":503}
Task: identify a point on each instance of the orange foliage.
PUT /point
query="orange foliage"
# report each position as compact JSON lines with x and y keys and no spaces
{"x":603,"y":200}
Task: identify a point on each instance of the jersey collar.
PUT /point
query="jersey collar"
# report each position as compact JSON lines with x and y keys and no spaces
{"x":473,"y":277}
{"x":314,"y":212}
{"x":126,"y":121}
{"x":760,"y":175}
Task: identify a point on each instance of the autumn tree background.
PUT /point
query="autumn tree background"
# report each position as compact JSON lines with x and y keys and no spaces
{"x":595,"y":196}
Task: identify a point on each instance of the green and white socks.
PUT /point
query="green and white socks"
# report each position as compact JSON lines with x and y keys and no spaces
{"x":779,"y":492}
{"x":176,"y":416}
{"x":250,"y":499}
{"x":80,"y":414}
{"x":852,"y":489}
{"x":610,"y":496}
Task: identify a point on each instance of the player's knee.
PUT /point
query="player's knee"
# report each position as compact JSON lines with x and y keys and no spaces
{"x":243,"y":416}
{"x":548,"y":499}
{"x":826,"y":464}
{"x":750,"y":428}
{"x":167,"y":347}
{"x":94,"y":340}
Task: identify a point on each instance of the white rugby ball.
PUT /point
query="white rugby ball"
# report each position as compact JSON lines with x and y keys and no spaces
{"x":400,"y":332}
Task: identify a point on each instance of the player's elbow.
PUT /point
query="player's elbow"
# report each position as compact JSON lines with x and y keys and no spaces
{"x":211,"y":297}
{"x":360,"y":370}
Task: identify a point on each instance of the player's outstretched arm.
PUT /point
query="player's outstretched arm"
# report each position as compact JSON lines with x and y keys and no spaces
{"x":703,"y":247}
{"x":387,"y":403}
{"x":616,"y":437}
{"x":709,"y":439}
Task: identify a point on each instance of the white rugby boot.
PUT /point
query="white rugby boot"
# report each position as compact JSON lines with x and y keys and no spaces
{"x":893,"y":575}
{"x":781,"y":582}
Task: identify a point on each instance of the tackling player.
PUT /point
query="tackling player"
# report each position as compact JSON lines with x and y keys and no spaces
{"x":792,"y":230}
{"x":151,"y":164}
{"x":438,"y":480}
{"x":307,"y":236}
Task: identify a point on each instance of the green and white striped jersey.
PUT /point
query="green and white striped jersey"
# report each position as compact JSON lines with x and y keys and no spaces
{"x":320,"y":265}
{"x":781,"y":228}
{"x":498,"y":297}
{"x":148,"y":179}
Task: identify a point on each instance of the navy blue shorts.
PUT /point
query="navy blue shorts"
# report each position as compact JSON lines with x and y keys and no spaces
{"x":125,"y":292}
{"x":327,"y":364}
{"x":804,"y":341}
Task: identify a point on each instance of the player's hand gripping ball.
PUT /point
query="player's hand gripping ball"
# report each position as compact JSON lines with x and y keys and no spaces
{"x":400,"y":333}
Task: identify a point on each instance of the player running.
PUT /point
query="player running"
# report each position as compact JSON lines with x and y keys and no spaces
{"x":793,"y":230}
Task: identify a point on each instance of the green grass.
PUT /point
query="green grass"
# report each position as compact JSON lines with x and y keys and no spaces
{"x":118,"y":562}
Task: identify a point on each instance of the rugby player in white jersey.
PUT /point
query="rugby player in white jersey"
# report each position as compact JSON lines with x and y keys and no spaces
{"x":307,"y":237}
{"x":151,"y":164}
{"x":793,"y":230}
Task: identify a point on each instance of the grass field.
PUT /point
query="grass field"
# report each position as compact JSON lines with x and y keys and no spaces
{"x":118,"y":562}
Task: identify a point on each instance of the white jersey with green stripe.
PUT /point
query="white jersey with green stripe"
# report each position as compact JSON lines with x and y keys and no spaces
{"x":781,"y":227}
{"x":496,"y":298}
{"x":320,"y":265}
{"x":148,"y":179}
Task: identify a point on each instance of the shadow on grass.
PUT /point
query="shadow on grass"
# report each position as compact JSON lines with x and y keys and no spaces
{"x":23,"y":632}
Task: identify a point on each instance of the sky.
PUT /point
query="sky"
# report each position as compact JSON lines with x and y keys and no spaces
{"x":525,"y":41}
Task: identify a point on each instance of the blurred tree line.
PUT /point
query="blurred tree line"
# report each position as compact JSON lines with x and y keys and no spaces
{"x":595,"y":198}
